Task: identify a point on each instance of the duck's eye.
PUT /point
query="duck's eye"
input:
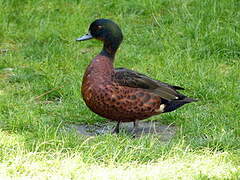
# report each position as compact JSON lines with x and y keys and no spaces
{"x":99,"y":27}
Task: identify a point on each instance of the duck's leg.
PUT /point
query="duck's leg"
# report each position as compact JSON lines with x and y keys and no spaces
{"x":116,"y":129}
{"x":135,"y":128}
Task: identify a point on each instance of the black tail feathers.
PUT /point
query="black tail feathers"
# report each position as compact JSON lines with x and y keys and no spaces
{"x":174,"y":104}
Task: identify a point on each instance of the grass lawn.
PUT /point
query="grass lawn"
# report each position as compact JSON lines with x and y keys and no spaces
{"x":190,"y":43}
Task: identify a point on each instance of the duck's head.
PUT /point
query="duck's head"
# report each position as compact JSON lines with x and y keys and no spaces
{"x":106,"y":31}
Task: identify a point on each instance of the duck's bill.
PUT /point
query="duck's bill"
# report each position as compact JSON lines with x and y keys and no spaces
{"x":85,"y":37}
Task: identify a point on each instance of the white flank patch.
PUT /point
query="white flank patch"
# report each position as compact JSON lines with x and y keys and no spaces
{"x":161,"y":108}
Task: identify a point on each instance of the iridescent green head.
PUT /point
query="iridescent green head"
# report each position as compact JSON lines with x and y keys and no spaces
{"x":106,"y":31}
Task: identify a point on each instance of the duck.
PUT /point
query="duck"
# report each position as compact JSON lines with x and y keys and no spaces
{"x":120,"y":94}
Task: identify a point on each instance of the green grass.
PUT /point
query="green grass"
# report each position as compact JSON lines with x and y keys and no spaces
{"x":191,"y":43}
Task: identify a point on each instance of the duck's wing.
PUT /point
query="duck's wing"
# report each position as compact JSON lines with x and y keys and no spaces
{"x":126,"y":77}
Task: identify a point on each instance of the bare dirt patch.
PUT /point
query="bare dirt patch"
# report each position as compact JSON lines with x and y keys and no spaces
{"x":165,"y":132}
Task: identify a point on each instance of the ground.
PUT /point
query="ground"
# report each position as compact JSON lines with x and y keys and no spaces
{"x":190,"y":43}
{"x":146,"y":128}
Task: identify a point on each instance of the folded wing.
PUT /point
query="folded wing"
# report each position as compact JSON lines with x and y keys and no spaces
{"x":126,"y":77}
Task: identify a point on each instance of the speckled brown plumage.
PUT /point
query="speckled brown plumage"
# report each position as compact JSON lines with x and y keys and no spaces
{"x":121,"y":94}
{"x":107,"y":98}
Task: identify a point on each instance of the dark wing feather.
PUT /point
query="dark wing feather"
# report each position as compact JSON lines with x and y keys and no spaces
{"x":126,"y":77}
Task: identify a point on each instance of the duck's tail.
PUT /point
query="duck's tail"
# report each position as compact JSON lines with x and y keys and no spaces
{"x":174,"y":104}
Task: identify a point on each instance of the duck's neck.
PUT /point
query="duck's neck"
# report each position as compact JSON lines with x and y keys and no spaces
{"x":110,"y":47}
{"x":109,"y":54}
